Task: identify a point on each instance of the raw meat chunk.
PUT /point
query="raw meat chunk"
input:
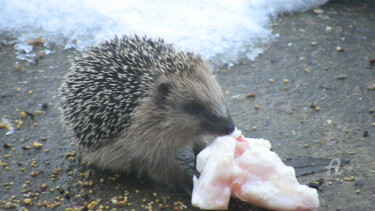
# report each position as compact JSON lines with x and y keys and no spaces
{"x":246,"y":169}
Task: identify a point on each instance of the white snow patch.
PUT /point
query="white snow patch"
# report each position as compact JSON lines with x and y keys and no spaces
{"x":214,"y":28}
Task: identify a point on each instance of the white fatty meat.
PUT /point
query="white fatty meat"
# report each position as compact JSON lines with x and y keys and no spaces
{"x":245,"y":168}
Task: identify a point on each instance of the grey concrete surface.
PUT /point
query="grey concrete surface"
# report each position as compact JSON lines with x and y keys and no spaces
{"x":315,"y":101}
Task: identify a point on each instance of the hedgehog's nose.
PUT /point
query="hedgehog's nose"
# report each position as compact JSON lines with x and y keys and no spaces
{"x":229,"y":127}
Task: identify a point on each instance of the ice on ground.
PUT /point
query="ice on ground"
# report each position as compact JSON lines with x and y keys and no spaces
{"x":222,"y":29}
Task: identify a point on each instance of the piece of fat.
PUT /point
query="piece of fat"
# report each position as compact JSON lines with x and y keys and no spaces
{"x":246,"y":169}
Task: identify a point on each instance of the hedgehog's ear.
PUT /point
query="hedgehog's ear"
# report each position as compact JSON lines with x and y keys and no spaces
{"x":164,"y":89}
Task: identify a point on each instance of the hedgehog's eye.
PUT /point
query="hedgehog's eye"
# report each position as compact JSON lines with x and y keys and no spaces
{"x":194,"y":108}
{"x":164,"y":89}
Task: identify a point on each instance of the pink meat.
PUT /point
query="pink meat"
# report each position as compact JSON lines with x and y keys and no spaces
{"x":247,"y":169}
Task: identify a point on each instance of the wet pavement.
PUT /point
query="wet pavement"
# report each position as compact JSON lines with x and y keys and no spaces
{"x":311,"y":93}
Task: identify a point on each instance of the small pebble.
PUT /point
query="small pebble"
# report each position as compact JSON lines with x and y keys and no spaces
{"x":365,"y":134}
{"x":329,"y":122}
{"x":328,"y":29}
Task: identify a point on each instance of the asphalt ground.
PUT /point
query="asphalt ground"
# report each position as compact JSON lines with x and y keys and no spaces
{"x":311,"y":93}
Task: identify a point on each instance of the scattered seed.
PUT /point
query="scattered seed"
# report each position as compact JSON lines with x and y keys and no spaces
{"x":7,"y":146}
{"x":317,"y":11}
{"x":23,"y":114}
{"x":35,"y":42}
{"x":33,"y":174}
{"x":43,"y":187}
{"x":37,"y":145}
{"x":250,"y":95}
{"x":271,"y":80}
{"x":371,"y":87}
{"x":351,"y":178}
{"x":2,"y":125}
{"x":341,"y":77}
{"x":26,"y":147}
{"x":256,"y":106}
{"x":121,"y":203}
{"x":339,"y":49}
{"x":27,"y":201}
{"x":41,"y":54}
{"x":18,"y":67}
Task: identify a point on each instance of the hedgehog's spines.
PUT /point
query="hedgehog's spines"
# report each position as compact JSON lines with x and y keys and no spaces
{"x":126,"y":101}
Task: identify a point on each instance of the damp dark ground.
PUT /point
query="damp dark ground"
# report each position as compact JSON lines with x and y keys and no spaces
{"x":314,"y":100}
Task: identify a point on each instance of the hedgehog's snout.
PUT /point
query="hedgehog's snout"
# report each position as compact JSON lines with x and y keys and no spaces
{"x":229,"y":127}
{"x":216,"y":125}
{"x":226,"y":126}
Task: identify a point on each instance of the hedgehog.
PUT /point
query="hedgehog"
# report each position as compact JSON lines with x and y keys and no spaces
{"x":133,"y":103}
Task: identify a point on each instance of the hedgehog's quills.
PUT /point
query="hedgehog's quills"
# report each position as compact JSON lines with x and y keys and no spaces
{"x":133,"y":102}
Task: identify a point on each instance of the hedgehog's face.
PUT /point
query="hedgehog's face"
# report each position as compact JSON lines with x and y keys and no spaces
{"x":194,"y":106}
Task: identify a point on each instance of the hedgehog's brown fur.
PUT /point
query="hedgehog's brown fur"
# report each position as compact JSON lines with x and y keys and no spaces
{"x":133,"y":102}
